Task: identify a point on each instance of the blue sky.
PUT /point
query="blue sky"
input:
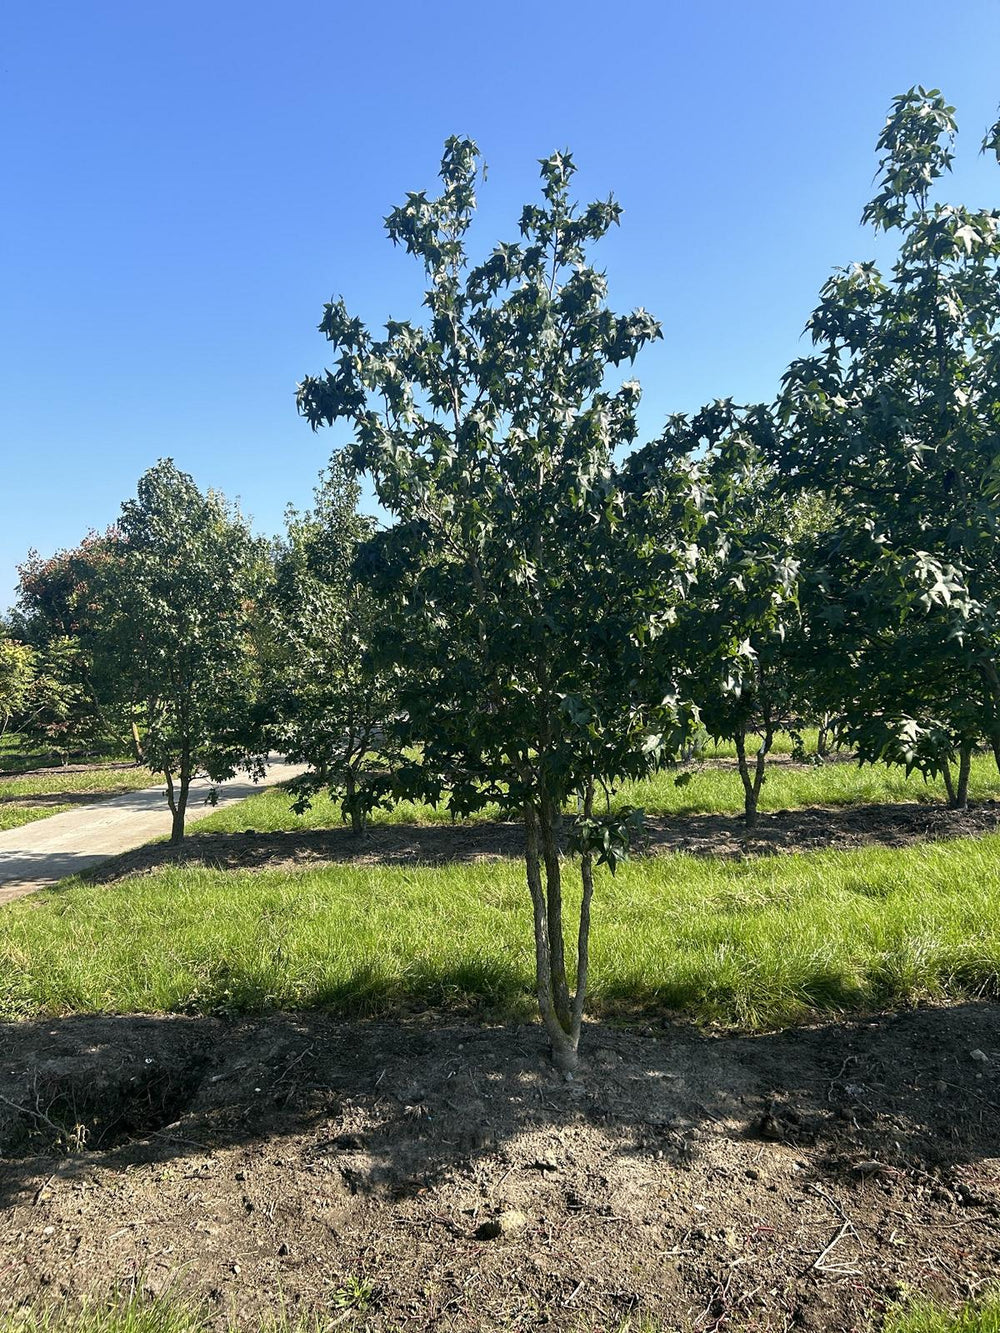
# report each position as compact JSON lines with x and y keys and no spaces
{"x":185,"y":184}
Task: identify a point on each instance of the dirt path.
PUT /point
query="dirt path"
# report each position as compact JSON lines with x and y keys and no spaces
{"x":38,"y":854}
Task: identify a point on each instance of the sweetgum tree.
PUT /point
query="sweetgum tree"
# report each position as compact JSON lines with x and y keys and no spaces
{"x":739,"y":635}
{"x":331,"y":704}
{"x":18,"y":674}
{"x":896,"y":416}
{"x":521,"y":610}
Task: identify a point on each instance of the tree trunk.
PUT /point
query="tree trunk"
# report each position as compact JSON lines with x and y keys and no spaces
{"x":548,"y":829}
{"x":749,"y":797}
{"x":823,"y":737}
{"x":177,"y":799}
{"x":562,"y":1015}
{"x":177,"y":823}
{"x":752,"y":785}
{"x":136,"y":744}
{"x":964,"y":770}
{"x":352,"y":805}
{"x":949,"y":782}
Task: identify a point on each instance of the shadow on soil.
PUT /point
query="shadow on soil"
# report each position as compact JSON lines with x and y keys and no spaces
{"x":800,"y":1179}
{"x":918,"y":1086}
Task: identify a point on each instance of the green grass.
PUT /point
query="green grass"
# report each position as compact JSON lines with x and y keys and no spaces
{"x":14,"y":816}
{"x":782,"y":744}
{"x":710,"y":791}
{"x":18,"y":795}
{"x":18,"y":754}
{"x":130,"y":1315}
{"x":982,"y":1316}
{"x":719,"y":791}
{"x":753,"y":944}
{"x":136,"y":1314}
{"x":95,"y":781}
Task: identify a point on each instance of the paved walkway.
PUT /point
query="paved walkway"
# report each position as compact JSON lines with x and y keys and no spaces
{"x":47,"y":850}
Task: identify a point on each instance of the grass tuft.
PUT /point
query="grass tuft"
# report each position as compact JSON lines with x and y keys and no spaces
{"x":980,"y":1316}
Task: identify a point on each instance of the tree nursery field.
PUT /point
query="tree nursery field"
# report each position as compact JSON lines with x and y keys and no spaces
{"x":626,"y":957}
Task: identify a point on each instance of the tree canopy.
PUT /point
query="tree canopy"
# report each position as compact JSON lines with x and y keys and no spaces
{"x":520,"y":607}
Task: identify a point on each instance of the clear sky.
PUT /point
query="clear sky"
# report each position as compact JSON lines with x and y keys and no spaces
{"x":186,"y":183}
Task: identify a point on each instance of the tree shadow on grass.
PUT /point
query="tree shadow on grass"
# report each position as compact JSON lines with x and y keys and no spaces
{"x":395,"y":1146}
{"x":715,"y":835}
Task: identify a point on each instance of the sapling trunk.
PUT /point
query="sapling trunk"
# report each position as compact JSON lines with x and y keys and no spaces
{"x":548,"y":824}
{"x":752,"y":784}
{"x":964,"y":772}
{"x":351,"y":803}
{"x":823,"y":737}
{"x":949,"y":782}
{"x":561,"y":1013}
{"x":177,"y":799}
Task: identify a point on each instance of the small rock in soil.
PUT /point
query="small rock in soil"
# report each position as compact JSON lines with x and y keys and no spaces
{"x":509,"y":1223}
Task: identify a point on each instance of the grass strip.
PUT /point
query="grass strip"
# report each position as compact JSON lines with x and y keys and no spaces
{"x":752,"y":945}
{"x":19,"y":796}
{"x":14,"y":816}
{"x":91,"y":782}
{"x":710,"y":791}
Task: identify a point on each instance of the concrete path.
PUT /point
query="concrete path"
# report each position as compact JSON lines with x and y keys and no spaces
{"x":47,"y":850}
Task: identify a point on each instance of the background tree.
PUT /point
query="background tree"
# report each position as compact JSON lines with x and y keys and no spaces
{"x":897,"y":416}
{"x":331,"y":704}
{"x":59,"y":610}
{"x":181,"y":603}
{"x":737,"y":631}
{"x":17,"y":676}
{"x":517,"y":603}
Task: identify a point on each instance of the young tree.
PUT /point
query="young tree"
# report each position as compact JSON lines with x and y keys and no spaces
{"x":331,"y":704}
{"x":519,"y":608}
{"x":736,"y":635}
{"x":181,"y":599}
{"x":896,"y":417}
{"x":18,"y":671}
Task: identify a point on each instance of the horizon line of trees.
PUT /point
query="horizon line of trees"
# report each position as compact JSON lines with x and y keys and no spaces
{"x":538,"y":622}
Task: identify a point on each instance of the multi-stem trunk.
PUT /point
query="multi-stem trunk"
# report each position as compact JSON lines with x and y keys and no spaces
{"x":177,"y":795}
{"x":949,"y":782}
{"x":752,"y":783}
{"x":823,"y":737}
{"x":561,"y":1012}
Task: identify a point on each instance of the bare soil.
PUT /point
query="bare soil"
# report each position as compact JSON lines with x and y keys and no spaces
{"x":440,"y":1175}
{"x":784,"y":831}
